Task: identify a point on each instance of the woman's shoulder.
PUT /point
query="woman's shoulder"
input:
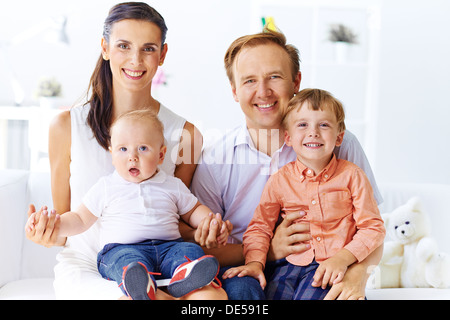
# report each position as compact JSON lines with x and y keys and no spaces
{"x":61,"y":122}
{"x":167,"y":115}
{"x":61,"y":125}
{"x":60,"y":137}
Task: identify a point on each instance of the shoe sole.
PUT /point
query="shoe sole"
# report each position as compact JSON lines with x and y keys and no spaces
{"x":136,"y":281}
{"x":202,"y":274}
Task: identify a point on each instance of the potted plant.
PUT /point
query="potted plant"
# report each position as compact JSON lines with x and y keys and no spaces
{"x":48,"y":90}
{"x":343,"y":37}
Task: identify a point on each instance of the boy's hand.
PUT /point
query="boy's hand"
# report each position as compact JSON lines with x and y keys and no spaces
{"x":329,"y":272}
{"x":253,"y":269}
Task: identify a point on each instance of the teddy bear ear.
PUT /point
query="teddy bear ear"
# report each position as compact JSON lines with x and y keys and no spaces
{"x":415,"y":204}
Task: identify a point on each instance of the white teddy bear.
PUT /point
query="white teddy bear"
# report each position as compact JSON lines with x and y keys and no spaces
{"x":411,"y":259}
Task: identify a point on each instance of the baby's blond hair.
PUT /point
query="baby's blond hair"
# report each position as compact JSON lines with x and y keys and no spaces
{"x":143,"y":114}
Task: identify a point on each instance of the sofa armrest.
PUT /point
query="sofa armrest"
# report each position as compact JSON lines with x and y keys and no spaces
{"x":13,"y":204}
{"x":38,"y":261}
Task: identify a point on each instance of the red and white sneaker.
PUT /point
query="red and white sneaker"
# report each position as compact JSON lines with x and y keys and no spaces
{"x":193,"y":275}
{"x":137,"y":282}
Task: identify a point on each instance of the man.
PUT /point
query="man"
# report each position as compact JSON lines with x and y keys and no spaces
{"x":264,"y":74}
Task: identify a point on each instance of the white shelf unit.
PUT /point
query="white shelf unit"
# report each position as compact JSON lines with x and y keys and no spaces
{"x":354,"y":80}
{"x":38,"y":120}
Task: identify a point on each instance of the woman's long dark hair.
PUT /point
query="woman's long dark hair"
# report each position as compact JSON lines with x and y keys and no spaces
{"x":100,"y":85}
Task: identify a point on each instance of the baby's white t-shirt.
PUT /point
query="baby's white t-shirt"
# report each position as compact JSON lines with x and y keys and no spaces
{"x":134,"y":212}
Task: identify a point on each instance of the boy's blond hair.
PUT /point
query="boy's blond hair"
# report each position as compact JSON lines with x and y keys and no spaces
{"x":144,"y":114}
{"x":318,"y":100}
{"x":266,"y":37}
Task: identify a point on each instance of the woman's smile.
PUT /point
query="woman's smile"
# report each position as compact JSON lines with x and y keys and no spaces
{"x":133,"y":75}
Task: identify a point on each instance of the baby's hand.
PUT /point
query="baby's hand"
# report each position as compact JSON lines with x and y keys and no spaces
{"x":31,"y":222}
{"x":225,"y":231}
{"x":33,"y":218}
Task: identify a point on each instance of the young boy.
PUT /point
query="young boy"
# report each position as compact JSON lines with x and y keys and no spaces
{"x":336,"y":195}
{"x":139,"y":207}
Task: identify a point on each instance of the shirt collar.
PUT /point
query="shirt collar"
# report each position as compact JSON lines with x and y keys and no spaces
{"x":159,"y":177}
{"x":304,"y":172}
{"x":243,"y":137}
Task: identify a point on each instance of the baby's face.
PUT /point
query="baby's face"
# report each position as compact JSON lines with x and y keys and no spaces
{"x":136,"y":149}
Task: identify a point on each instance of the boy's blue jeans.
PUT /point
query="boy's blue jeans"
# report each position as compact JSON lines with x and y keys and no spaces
{"x":157,"y":255}
{"x":291,"y":282}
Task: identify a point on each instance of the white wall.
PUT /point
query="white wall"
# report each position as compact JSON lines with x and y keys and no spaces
{"x":414,"y":105}
{"x":413,"y":109}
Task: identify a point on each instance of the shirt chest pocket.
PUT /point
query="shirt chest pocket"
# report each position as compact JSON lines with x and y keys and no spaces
{"x":337,"y":204}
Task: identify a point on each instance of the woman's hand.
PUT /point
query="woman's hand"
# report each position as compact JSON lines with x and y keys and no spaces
{"x":45,"y":228}
{"x":289,"y":237}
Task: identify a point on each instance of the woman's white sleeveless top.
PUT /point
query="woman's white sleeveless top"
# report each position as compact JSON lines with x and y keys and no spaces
{"x":89,"y":162}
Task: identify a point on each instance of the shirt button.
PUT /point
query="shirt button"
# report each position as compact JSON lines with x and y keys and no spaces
{"x":326,"y":176}
{"x":309,"y":171}
{"x":313,"y":202}
{"x":318,"y":239}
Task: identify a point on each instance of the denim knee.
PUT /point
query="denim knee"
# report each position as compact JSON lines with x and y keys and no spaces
{"x":244,"y":288}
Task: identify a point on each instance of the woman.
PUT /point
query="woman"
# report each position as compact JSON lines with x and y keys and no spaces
{"x":133,"y":46}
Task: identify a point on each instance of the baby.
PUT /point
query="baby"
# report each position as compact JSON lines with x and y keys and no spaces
{"x":139,"y":207}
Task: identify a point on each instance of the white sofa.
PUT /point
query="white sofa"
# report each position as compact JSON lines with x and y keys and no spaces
{"x":26,"y":271}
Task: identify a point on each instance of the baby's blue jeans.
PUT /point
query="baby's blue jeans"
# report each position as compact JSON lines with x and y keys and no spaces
{"x":157,"y":255}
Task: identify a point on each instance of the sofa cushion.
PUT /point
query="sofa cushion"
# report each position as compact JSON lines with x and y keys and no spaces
{"x":408,"y":294}
{"x":28,"y":289}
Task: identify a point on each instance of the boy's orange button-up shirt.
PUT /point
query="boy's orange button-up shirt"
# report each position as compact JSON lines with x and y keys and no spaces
{"x":340,"y":209}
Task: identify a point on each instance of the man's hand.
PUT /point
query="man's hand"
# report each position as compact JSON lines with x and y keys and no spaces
{"x":212,"y":232}
{"x":290,"y":237}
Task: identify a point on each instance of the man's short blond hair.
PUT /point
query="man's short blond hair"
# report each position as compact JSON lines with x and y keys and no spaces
{"x":264,"y":38}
